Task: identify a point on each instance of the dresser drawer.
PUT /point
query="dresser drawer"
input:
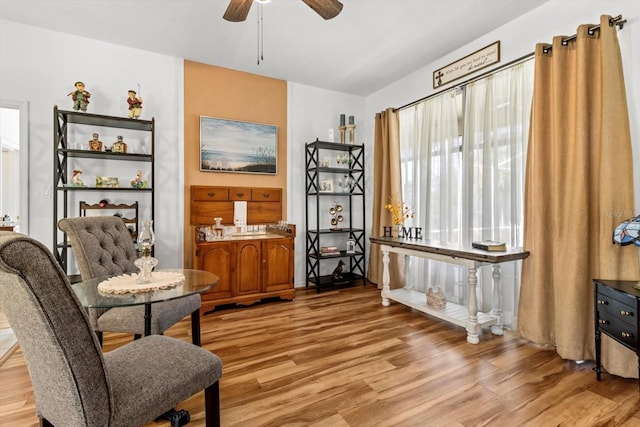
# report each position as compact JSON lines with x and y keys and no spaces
{"x":209,"y":193}
{"x":617,"y":310}
{"x":239,"y":194}
{"x":266,"y":194}
{"x":621,"y":331}
{"x":615,"y":294}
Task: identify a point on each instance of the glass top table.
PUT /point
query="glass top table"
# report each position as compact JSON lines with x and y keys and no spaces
{"x":195,"y":282}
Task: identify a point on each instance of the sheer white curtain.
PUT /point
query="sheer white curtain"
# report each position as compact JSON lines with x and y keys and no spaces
{"x":463,"y":162}
{"x":431,"y":156}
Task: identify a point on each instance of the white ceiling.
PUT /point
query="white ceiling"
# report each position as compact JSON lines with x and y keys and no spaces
{"x":371,"y":44}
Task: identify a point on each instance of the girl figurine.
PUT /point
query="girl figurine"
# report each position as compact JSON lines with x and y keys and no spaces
{"x":77,"y":182}
{"x":138,"y":182}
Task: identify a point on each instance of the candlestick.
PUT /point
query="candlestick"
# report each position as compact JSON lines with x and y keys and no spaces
{"x":351,"y":132}
{"x":343,"y":130}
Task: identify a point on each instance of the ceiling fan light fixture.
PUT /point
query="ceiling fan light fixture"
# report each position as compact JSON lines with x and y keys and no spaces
{"x":238,"y":10}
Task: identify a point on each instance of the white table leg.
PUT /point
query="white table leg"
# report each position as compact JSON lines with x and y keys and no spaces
{"x":473,"y":329}
{"x":385,"y":276}
{"x":496,"y":309}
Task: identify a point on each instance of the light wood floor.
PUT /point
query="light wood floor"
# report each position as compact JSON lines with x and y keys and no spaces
{"x":342,"y":359}
{"x":8,"y":342}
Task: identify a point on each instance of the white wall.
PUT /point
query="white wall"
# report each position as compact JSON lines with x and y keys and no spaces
{"x":40,"y":67}
{"x":311,"y":113}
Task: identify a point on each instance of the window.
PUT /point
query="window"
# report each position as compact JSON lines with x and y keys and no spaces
{"x":463,"y":162}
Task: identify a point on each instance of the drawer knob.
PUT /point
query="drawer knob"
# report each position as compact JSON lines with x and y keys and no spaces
{"x":626,"y":335}
{"x":625,"y":313}
{"x":603,"y":302}
{"x":240,"y":194}
{"x":603,"y":322}
{"x":266,"y":195}
{"x":211,"y":194}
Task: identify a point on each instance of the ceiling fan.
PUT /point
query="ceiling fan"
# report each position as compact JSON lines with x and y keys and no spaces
{"x":238,"y":10}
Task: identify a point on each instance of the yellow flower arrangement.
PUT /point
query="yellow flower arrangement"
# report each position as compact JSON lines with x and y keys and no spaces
{"x":399,"y":211}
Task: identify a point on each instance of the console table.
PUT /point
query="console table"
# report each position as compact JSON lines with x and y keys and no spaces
{"x":472,"y":259}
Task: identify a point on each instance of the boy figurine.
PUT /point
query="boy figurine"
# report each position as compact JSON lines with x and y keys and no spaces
{"x":135,"y":105}
{"x":80,"y":97}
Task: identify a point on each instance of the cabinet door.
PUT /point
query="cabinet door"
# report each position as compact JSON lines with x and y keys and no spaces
{"x":248,"y":267}
{"x":218,"y":258}
{"x":278,"y":258}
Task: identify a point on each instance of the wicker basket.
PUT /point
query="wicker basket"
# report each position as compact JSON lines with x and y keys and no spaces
{"x":436,"y":298}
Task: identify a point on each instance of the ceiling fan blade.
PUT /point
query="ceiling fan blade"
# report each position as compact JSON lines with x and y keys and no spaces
{"x":237,"y":10}
{"x":326,"y":8}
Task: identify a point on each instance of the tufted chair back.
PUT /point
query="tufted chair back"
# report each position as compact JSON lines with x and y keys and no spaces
{"x":62,"y":353}
{"x":102,"y":245}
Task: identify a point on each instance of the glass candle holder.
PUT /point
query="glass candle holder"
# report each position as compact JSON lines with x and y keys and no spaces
{"x":146,"y":263}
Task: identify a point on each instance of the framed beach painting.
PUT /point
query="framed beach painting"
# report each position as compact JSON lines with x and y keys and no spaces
{"x":241,"y":147}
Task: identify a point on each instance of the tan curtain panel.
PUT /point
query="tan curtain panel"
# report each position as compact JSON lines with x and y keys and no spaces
{"x":579,"y":186}
{"x":387,"y":181}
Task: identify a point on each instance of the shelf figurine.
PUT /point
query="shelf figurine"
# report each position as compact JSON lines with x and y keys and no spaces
{"x":77,"y":181}
{"x":135,"y":105}
{"x":80,"y":97}
{"x":138,"y":182}
{"x":337,"y":272}
{"x":95,"y":144}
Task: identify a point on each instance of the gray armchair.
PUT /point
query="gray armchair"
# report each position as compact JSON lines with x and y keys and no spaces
{"x":75,"y":384}
{"x":103,"y":247}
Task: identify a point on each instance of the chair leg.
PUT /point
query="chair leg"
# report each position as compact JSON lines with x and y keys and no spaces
{"x":195,"y":327}
{"x":212,"y":405}
{"x":45,"y":423}
{"x":99,"y":334}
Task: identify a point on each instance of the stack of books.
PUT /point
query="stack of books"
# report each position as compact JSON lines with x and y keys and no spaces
{"x":490,"y":245}
{"x":329,"y":250}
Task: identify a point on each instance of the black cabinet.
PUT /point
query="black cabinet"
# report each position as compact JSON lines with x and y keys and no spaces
{"x":72,"y":132}
{"x":335,"y":214}
{"x":617,"y":305}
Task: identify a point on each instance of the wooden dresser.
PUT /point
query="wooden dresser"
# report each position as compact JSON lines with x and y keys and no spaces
{"x":617,"y":306}
{"x":251,"y":265}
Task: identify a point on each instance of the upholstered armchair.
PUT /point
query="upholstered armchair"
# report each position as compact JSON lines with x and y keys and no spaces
{"x":75,"y":384}
{"x":103,"y":247}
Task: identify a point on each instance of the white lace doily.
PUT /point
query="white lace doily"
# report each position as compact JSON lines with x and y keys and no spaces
{"x":126,"y":283}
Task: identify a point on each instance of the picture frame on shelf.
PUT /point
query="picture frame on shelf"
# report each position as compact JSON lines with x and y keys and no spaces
{"x":239,"y":147}
{"x":326,"y":186}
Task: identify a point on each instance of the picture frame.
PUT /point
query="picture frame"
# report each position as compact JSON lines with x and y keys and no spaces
{"x":239,"y":147}
{"x":326,"y":186}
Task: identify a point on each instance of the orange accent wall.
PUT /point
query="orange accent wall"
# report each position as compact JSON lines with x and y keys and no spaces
{"x":228,"y":94}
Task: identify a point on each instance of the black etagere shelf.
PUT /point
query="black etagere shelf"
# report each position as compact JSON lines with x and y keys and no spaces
{"x":63,"y":122}
{"x":320,"y":157}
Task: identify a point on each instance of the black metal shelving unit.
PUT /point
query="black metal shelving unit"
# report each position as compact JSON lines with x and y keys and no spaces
{"x":63,"y":151}
{"x":320,"y":169}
